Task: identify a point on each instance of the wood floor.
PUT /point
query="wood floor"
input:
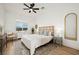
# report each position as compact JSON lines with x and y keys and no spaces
{"x":17,"y":48}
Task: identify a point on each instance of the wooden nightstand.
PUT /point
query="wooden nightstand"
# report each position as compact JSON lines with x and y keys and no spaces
{"x":0,"y":45}
{"x":58,"y":40}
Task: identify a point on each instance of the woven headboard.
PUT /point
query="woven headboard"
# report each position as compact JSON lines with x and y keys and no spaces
{"x":47,"y":29}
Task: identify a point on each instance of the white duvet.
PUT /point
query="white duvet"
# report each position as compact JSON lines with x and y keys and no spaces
{"x":32,"y":41}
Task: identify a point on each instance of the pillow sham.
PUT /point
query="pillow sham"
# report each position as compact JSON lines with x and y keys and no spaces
{"x":41,"y":32}
{"x":46,"y":33}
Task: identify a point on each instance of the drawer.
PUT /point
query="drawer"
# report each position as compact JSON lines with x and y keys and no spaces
{"x":0,"y":49}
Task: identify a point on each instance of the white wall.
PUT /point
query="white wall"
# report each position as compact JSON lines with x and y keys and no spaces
{"x":2,"y":15}
{"x":15,"y":12}
{"x":54,"y":14}
{"x":10,"y":22}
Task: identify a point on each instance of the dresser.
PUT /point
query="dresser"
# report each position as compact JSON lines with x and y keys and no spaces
{"x":3,"y":42}
{"x":0,"y":44}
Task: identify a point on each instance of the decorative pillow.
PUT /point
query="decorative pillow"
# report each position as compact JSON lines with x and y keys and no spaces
{"x":41,"y":32}
{"x":49,"y":34}
{"x":46,"y":33}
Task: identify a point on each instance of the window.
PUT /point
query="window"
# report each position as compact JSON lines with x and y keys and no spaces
{"x":21,"y":26}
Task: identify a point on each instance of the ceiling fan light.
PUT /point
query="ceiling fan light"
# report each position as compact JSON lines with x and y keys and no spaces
{"x":30,"y":9}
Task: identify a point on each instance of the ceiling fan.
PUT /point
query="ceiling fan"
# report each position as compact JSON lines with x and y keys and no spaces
{"x":31,"y":7}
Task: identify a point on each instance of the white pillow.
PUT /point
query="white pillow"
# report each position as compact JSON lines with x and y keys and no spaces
{"x":49,"y":34}
{"x":46,"y":33}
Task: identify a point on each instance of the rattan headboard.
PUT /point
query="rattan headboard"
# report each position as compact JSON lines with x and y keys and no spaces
{"x":47,"y":28}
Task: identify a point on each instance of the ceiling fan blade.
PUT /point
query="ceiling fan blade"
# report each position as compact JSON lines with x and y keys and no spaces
{"x":26,"y":5}
{"x":36,"y":8}
{"x":34,"y":11}
{"x":26,"y":8}
{"x":32,"y":5}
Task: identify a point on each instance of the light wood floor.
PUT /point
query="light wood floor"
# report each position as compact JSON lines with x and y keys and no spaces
{"x":17,"y":48}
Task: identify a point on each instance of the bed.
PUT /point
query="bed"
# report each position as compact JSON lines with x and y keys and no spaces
{"x":33,"y":41}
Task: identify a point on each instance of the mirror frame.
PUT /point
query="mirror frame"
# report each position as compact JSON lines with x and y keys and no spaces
{"x":67,"y":37}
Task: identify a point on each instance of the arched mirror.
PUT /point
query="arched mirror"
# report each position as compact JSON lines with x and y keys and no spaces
{"x":70,"y":26}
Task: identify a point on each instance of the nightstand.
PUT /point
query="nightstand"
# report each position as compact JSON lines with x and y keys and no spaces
{"x":58,"y":40}
{"x":0,"y":45}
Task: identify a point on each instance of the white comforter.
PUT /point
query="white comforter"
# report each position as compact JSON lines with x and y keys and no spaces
{"x":33,"y":41}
